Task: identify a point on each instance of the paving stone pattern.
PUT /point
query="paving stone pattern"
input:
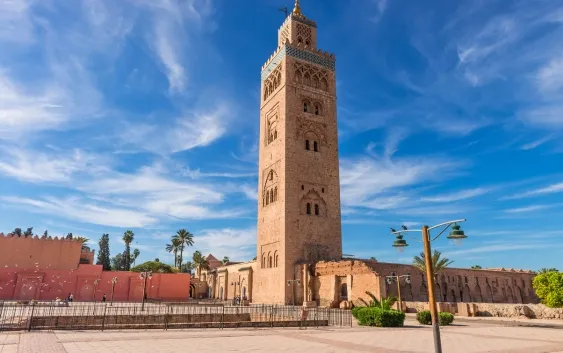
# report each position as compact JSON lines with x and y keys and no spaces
{"x":462,"y":338}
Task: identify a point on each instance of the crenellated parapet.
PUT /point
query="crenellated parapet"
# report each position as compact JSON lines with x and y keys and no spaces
{"x":37,"y":238}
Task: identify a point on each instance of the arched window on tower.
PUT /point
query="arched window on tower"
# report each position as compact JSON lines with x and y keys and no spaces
{"x":276,"y":193}
{"x":305,"y":107}
{"x":307,"y":145}
{"x":267,"y":198}
{"x":316,"y":209}
{"x":275,"y":134}
{"x":271,"y":196}
{"x":308,"y":208}
{"x":315,"y":146}
{"x":317,"y":109}
{"x":270,"y":261}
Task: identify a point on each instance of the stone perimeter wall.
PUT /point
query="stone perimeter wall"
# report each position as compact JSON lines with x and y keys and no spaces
{"x":532,"y":311}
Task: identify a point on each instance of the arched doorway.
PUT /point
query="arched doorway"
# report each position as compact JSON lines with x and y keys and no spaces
{"x":519,"y":297}
{"x":193,"y":293}
{"x":466,"y":296}
{"x":343,"y":292}
{"x":477,"y":296}
{"x":509,"y":295}
{"x":453,"y":297}
{"x":423,"y":292}
{"x":221,"y":293}
{"x":488,"y":294}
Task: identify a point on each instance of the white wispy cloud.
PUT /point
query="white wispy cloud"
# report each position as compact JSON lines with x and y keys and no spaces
{"x":38,"y":167}
{"x":457,"y":196}
{"x":525,"y":209}
{"x":550,"y":189}
{"x":550,"y":76}
{"x":82,"y":210}
{"x":364,"y":178}
{"x":499,"y":248}
{"x":237,"y":244}
{"x":536,"y":143}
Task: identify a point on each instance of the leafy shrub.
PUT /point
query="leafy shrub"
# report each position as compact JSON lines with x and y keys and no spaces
{"x":155,"y":267}
{"x":549,"y":288}
{"x":356,"y":310}
{"x":369,"y":316}
{"x":445,"y":319}
{"x":424,"y":317}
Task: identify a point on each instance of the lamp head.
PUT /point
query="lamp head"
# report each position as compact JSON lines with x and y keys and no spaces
{"x":457,"y":235}
{"x":400,"y":243}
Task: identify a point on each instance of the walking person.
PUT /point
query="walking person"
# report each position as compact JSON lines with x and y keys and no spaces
{"x":104,"y":298}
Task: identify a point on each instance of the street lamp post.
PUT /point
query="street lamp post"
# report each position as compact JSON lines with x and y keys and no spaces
{"x":291,"y":283}
{"x":113,"y":282}
{"x":144,"y":276}
{"x":457,"y":236}
{"x":398,"y":279}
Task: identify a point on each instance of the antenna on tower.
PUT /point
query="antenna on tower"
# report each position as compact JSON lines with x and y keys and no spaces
{"x":284,"y":10}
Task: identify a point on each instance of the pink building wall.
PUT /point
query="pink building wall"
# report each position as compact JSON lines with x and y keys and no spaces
{"x":30,"y":253}
{"x":48,"y":284}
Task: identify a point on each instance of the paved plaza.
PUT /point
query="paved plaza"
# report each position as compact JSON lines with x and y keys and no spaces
{"x":467,"y":337}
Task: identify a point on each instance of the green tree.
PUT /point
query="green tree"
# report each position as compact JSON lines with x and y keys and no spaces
{"x":476,"y":267}
{"x":373,"y":258}
{"x":546,"y":270}
{"x":173,"y":248}
{"x":186,"y":239}
{"x":187,"y":267}
{"x":154,"y":266}
{"x":103,"y":253}
{"x":200,"y":263}
{"x":135,"y":255}
{"x":17,"y":231}
{"x":45,"y":234}
{"x":384,"y":303}
{"x":127,"y":239}
{"x":82,"y":240}
{"x":28,"y":232}
{"x":118,"y":263}
{"x":438,"y":264}
{"x":549,"y":288}
{"x":69,"y":236}
{"x":225,"y":260}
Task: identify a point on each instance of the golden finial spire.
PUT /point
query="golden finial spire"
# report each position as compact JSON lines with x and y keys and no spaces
{"x":297,"y":8}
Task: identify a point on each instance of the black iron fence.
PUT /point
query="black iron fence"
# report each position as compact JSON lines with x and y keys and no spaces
{"x":106,"y":316}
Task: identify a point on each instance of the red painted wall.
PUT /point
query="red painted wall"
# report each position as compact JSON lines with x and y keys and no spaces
{"x":48,"y":284}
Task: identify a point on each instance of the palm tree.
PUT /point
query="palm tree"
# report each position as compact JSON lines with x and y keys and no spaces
{"x":186,"y":239}
{"x":83,"y":240}
{"x":384,"y":303}
{"x":173,"y":248}
{"x":546,"y":270}
{"x":128,"y":239}
{"x":200,"y":262}
{"x":225,"y":260}
{"x":438,"y":264}
{"x":136,"y":254}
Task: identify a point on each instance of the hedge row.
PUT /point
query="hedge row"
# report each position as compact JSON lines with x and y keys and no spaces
{"x":425,"y":318}
{"x":372,"y":316}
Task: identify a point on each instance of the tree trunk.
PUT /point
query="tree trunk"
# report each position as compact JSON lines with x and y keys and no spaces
{"x":181,"y":254}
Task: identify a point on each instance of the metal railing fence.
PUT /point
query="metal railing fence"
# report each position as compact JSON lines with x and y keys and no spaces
{"x":162,"y":315}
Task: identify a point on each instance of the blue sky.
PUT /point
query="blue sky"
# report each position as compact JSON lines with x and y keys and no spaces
{"x":143,"y":115}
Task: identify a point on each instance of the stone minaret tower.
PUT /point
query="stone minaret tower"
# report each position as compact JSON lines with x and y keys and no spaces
{"x":299,"y":187}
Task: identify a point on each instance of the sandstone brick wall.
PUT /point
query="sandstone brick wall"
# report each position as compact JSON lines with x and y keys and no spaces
{"x":334,"y":279}
{"x":532,"y":311}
